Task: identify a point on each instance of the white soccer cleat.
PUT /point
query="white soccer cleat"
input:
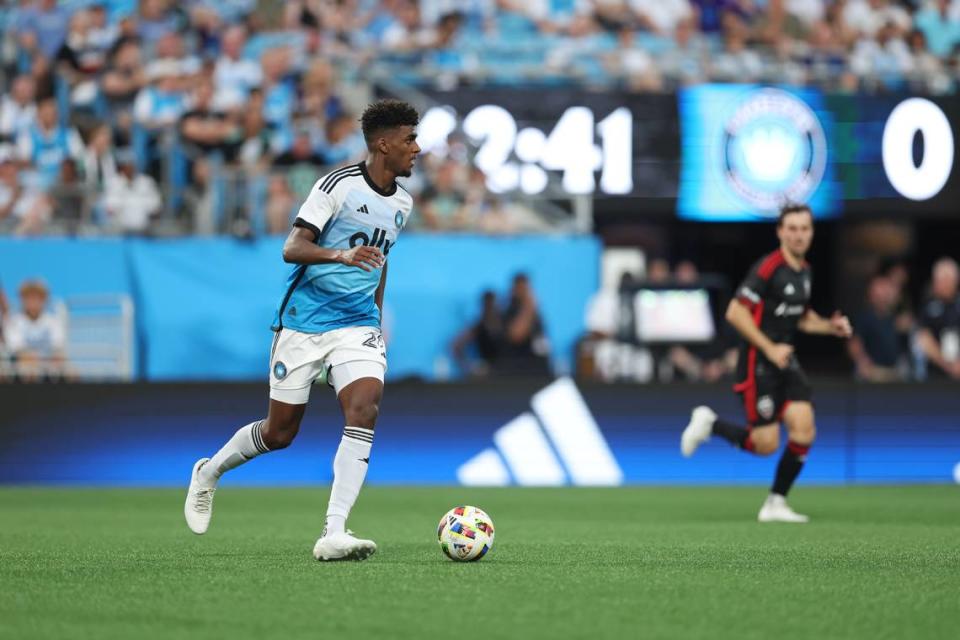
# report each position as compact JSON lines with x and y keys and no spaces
{"x":698,"y":431}
{"x":343,"y":546}
{"x":776,"y":509}
{"x":199,"y":505}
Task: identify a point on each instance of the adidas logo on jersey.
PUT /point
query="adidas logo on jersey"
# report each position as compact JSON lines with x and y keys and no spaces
{"x":363,"y":209}
{"x":557,"y":443}
{"x":789,"y":289}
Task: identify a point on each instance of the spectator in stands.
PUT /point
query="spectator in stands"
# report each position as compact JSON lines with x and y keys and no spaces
{"x":132,"y":198}
{"x":657,"y":271}
{"x":156,"y":19}
{"x":895,"y":270}
{"x":98,"y":163}
{"x":939,"y":22}
{"x":685,"y":61}
{"x":484,"y":339}
{"x":883,"y":58}
{"x":68,"y":199}
{"x":205,"y":129}
{"x":102,"y":33}
{"x":23,"y":210}
{"x":319,"y":99}
{"x":875,"y":347}
{"x":343,"y":141}
{"x":121,"y":82}
{"x":170,"y":47}
{"x":233,"y":74}
{"x":43,"y":28}
{"x":868,"y":17}
{"x":573,"y":19}
{"x":404,"y":33}
{"x":736,"y":62}
{"x":279,"y":92}
{"x":157,"y":109}
{"x":161,"y":103}
{"x":35,"y":336}
{"x":925,"y":71}
{"x":18,"y":111}
{"x":255,"y":150}
{"x":443,"y":202}
{"x":281,"y":205}
{"x":302,"y":162}
{"x":939,"y":334}
{"x":526,"y":348}
{"x":661,"y":16}
{"x":632,"y":62}
{"x":80,"y":60}
{"x":47,"y":143}
{"x":809,"y":12}
{"x":613,"y":15}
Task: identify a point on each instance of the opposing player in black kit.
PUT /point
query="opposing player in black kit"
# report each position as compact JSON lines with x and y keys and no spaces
{"x":770,"y":305}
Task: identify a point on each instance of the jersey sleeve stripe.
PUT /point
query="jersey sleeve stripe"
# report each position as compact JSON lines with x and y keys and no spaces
{"x":330,"y":187}
{"x":334,"y":174}
{"x":300,"y":222}
{"x":770,"y":264}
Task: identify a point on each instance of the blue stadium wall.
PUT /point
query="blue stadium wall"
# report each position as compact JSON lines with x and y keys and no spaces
{"x":204,"y":305}
{"x":149,"y":435}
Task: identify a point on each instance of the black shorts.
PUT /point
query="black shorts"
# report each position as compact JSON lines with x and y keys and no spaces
{"x":767,"y":390}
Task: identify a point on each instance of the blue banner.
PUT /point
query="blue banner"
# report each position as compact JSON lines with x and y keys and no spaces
{"x":204,"y":306}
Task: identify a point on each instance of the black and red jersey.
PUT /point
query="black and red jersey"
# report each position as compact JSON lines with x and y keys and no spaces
{"x":777,"y":295}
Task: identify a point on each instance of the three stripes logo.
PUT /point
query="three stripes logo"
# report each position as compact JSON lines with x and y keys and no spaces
{"x":363,"y":209}
{"x":557,"y":443}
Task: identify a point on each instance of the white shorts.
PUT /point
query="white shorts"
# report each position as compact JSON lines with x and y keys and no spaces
{"x":340,"y":356}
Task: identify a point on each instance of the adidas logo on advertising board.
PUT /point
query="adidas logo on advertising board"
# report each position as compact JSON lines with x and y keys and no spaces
{"x":557,"y":443}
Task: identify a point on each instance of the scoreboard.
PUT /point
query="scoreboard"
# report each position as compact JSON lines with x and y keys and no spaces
{"x":719,"y":152}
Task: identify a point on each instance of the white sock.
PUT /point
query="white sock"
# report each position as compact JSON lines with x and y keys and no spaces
{"x":246,"y":444}
{"x":349,"y":470}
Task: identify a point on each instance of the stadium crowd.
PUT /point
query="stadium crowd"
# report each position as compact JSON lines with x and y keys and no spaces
{"x":207,"y":117}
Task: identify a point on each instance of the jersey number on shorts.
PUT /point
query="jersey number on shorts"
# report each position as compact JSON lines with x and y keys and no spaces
{"x":375,"y":341}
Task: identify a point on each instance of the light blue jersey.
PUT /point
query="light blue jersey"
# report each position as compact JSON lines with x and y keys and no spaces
{"x":345,"y":209}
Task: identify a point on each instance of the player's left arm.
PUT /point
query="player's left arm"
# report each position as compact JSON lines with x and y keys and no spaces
{"x":836,"y":325}
{"x":378,"y":296}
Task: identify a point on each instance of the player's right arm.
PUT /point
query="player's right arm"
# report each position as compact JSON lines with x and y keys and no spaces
{"x":301,"y":246}
{"x":931,"y":349}
{"x":742,"y":320}
{"x":740,"y":314}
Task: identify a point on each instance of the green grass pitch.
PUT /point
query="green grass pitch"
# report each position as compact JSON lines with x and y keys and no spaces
{"x":875,"y":563}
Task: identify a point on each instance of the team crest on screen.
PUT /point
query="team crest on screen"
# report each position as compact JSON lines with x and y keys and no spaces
{"x":774,"y":150}
{"x":398,"y":219}
{"x":765,"y":407}
{"x":279,"y":370}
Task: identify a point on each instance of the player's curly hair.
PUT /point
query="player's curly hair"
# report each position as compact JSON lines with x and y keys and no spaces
{"x":793,"y":207}
{"x":387,"y":114}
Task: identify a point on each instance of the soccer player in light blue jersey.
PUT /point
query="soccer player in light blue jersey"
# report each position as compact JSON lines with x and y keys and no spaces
{"x":328,"y":322}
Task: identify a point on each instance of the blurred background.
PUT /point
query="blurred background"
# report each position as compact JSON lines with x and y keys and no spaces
{"x":597,"y":177}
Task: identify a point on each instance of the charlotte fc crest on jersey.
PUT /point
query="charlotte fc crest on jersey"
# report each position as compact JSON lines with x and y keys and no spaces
{"x":398,"y":219}
{"x":279,"y":370}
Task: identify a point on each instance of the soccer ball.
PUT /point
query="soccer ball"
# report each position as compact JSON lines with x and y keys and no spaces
{"x":465,"y":534}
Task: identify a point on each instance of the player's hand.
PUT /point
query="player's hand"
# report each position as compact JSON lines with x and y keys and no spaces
{"x":367,"y":258}
{"x":779,"y":355}
{"x":840,"y":325}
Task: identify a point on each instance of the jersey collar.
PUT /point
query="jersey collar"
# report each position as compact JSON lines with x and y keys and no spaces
{"x":373,"y":185}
